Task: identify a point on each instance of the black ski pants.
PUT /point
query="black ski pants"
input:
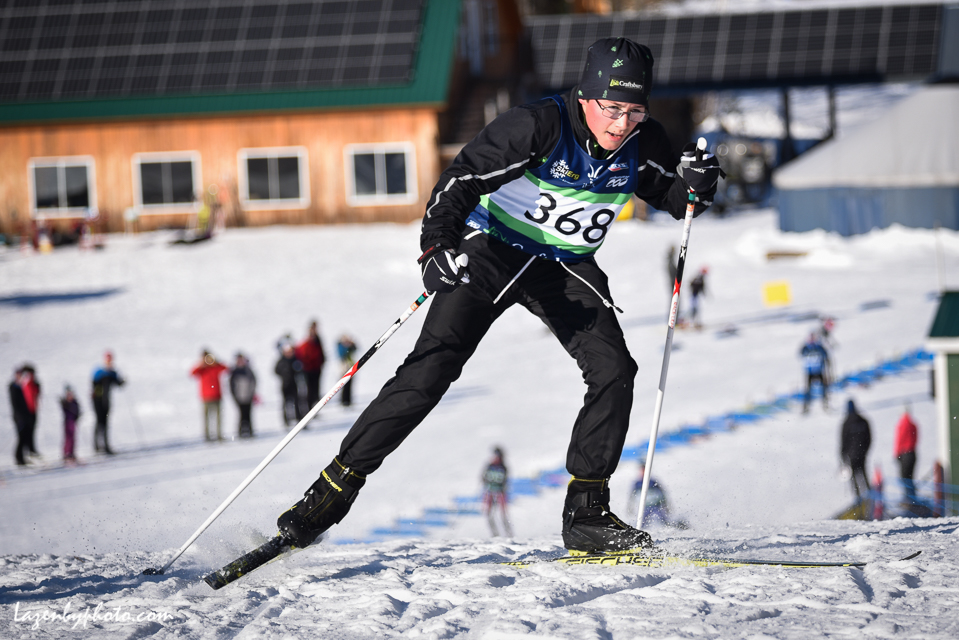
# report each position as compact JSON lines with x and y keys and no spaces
{"x":568,"y":298}
{"x":312,"y":389}
{"x":245,"y":428}
{"x":23,"y":447}
{"x":100,"y":439}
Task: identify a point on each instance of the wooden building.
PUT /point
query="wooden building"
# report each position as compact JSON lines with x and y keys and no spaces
{"x":279,"y":111}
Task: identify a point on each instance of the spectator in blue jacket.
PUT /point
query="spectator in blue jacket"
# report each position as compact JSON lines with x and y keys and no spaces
{"x":104,"y":378}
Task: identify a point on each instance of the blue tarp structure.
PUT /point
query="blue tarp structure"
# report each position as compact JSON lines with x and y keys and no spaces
{"x":901,"y":168}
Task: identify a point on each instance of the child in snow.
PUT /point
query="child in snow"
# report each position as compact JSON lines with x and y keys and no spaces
{"x":71,"y":412}
{"x":243,"y":388}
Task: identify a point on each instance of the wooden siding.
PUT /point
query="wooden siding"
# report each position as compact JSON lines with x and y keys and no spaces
{"x":325,"y":135}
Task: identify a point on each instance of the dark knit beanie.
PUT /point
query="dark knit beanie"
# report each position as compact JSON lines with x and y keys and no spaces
{"x":617,"y":69}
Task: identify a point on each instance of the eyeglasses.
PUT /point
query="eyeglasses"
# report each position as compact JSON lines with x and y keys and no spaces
{"x":615,"y":113}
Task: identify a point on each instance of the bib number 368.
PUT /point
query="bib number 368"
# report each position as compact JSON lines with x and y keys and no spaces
{"x":568,"y":225}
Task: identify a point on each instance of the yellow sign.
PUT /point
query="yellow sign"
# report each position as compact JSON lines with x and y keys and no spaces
{"x":777,"y":294}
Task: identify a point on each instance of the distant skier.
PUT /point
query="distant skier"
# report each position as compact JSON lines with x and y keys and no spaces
{"x":657,"y":507}
{"x":904,"y":450}
{"x":495,"y":480}
{"x":816,"y":363}
{"x":105,"y":378}
{"x":346,"y":350}
{"x":243,"y":389}
{"x":71,"y":413}
{"x":208,"y":372}
{"x":516,"y":219}
{"x":854,"y":445}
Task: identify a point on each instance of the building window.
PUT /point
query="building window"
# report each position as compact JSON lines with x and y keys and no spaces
{"x":61,"y":187}
{"x":274,"y":178}
{"x":380,"y":174}
{"x":166,"y":181}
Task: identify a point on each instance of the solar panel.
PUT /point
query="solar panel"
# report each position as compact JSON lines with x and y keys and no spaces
{"x":68,"y":50}
{"x":815,"y":46}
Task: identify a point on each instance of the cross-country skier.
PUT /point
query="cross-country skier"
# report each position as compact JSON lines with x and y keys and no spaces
{"x":527,"y":203}
{"x":816,"y":363}
{"x":495,"y":480}
{"x":854,"y":442}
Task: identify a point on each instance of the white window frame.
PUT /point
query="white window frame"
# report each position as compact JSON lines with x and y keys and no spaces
{"x":167,"y":156}
{"x":243,"y":181}
{"x":379,"y":150}
{"x":61,"y":162}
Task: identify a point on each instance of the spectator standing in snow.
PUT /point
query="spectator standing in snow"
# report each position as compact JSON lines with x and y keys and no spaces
{"x":495,"y":479}
{"x":288,"y":368}
{"x":104,"y":379}
{"x":31,"y":397}
{"x":854,"y":445}
{"x":815,"y":362}
{"x":71,"y":412}
{"x":516,"y":220}
{"x":346,"y":350}
{"x":311,"y":357}
{"x":243,"y":388}
{"x":208,"y":372}
{"x":697,"y":289}
{"x":21,"y":417}
{"x":905,"y":452}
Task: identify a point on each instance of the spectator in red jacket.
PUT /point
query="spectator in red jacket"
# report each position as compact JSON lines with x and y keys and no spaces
{"x":905,"y":452}
{"x":208,"y":371}
{"x":311,"y":356}
{"x":31,"y":396}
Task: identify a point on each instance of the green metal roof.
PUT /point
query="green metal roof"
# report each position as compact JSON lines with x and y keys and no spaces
{"x":428,"y":86}
{"x":946,"y":323}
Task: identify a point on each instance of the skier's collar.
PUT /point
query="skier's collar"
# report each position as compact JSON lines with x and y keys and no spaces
{"x":584,"y":137}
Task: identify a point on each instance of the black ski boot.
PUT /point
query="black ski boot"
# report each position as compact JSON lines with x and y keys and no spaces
{"x":588,"y":524}
{"x":324,"y":504}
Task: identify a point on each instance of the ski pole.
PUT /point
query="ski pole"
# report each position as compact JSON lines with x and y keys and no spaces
{"x":673,"y":312}
{"x":292,"y":434}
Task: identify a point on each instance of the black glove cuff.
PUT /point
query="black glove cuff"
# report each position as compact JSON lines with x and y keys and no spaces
{"x":437,"y":247}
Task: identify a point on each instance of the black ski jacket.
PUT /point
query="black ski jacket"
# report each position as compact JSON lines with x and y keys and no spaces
{"x":523,"y":138}
{"x":18,"y":404}
{"x":856,"y":438}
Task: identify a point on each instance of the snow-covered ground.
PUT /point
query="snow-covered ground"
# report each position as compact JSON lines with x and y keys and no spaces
{"x":75,"y":539}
